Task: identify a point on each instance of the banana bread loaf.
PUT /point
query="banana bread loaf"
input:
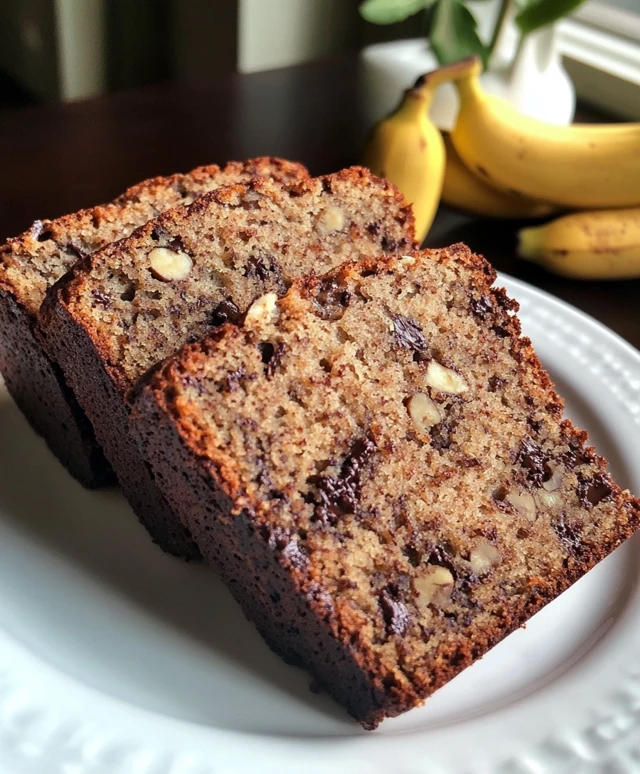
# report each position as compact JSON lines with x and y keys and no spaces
{"x":125,"y":308}
{"x":32,"y":262}
{"x":378,"y":466}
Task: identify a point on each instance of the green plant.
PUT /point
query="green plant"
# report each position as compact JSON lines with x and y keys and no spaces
{"x":452,"y":27}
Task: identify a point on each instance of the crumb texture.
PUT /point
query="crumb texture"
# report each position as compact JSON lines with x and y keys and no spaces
{"x":196,"y":267}
{"x":32,"y":262}
{"x":188,"y":271}
{"x":393,"y":447}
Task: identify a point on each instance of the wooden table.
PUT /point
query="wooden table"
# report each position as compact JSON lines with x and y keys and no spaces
{"x":57,"y":159}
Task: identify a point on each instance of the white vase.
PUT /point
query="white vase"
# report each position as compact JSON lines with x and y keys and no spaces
{"x":530,"y":76}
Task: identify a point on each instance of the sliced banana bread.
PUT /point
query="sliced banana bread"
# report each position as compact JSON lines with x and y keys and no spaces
{"x":32,"y":262}
{"x":125,"y":308}
{"x":378,"y":466}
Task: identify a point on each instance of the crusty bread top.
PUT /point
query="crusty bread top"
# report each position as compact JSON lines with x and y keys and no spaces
{"x":231,"y":246}
{"x":395,"y":442}
{"x":33,"y":261}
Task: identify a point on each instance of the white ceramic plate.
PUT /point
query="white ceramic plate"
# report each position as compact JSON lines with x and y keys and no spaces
{"x":116,"y":659}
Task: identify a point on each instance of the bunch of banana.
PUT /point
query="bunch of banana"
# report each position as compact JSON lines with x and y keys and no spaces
{"x":595,"y":168}
{"x":596,"y":244}
{"x":580,"y":166}
{"x":408,"y":150}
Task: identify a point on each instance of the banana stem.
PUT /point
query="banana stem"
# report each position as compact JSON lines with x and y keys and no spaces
{"x":427,"y":83}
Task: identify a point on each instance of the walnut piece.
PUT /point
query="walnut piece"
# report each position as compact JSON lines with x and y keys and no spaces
{"x":434,"y":586}
{"x":555,"y":482}
{"x":550,"y":499}
{"x":332,"y":219}
{"x":424,"y":412}
{"x":445,"y":379}
{"x":262,"y":309}
{"x":484,"y":555}
{"x":169,"y":265}
{"x":523,"y":503}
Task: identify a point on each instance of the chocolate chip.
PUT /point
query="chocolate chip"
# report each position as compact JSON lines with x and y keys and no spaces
{"x":265,"y":269}
{"x":408,"y":333}
{"x":226,"y":311}
{"x":496,"y":383}
{"x":340,"y":494}
{"x":501,"y":332}
{"x":102,"y":299}
{"x":374,"y":228}
{"x":390,"y":245}
{"x":482,"y":307}
{"x":395,"y":613}
{"x":331,"y":299}
{"x":592,"y":491}
{"x":177,"y":244}
{"x":271,"y":356}
{"x":531,"y":459}
{"x":441,"y":434}
{"x":574,"y":457}
{"x":570,"y":535}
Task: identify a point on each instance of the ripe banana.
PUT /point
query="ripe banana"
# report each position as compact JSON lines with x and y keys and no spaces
{"x":408,"y":150}
{"x":579,"y":166}
{"x":599,"y":244}
{"x":465,"y":190}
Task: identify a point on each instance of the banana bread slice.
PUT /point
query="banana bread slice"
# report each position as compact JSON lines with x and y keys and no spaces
{"x":139,"y":300}
{"x":378,"y":466}
{"x":32,"y":262}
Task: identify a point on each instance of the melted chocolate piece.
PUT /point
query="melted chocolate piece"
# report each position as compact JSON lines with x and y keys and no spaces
{"x":390,"y":245}
{"x":482,"y":307}
{"x":395,"y":613}
{"x":592,"y":491}
{"x":408,"y":333}
{"x":265,"y":268}
{"x":226,"y":311}
{"x":331,"y":299}
{"x":532,"y":460}
{"x":340,"y":494}
{"x":570,"y":535}
{"x":574,"y":457}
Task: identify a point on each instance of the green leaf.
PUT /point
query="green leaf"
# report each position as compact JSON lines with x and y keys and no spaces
{"x":453,"y":33}
{"x":391,"y":11}
{"x":539,"y":13}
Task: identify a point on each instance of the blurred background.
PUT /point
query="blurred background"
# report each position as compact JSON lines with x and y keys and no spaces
{"x":66,"y":50}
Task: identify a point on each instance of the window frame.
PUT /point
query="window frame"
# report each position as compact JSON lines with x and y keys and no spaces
{"x":601,"y":49}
